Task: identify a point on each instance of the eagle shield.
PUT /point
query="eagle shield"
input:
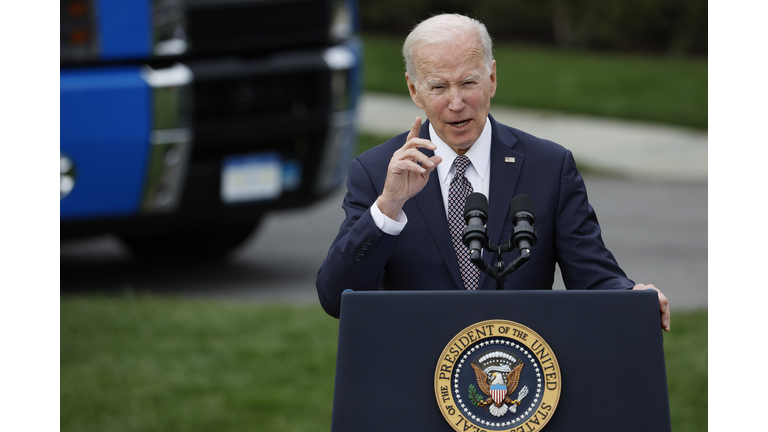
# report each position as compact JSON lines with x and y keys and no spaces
{"x":498,"y":392}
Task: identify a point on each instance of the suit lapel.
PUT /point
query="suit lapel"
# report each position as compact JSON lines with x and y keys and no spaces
{"x":504,"y":176}
{"x":430,"y":203}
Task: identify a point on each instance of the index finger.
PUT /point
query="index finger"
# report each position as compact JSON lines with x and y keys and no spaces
{"x":414,"y":133}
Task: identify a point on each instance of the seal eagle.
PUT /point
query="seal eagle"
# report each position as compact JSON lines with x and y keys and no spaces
{"x":490,"y":384}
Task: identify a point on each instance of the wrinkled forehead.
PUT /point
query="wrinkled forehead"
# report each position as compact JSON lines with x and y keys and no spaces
{"x":459,"y":57}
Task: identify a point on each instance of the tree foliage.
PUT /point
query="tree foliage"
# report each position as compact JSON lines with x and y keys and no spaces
{"x":660,"y":26}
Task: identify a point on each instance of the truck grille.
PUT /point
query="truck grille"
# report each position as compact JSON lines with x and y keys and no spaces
{"x":258,"y":26}
{"x":291,"y":93}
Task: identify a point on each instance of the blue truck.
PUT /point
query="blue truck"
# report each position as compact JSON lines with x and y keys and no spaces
{"x":184,"y":121}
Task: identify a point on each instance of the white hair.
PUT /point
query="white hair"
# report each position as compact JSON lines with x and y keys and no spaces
{"x":443,"y":28}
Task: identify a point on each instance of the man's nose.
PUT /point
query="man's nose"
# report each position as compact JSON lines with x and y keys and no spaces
{"x":455,"y":99}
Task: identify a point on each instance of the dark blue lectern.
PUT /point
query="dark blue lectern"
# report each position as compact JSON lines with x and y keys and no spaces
{"x":608,"y":345}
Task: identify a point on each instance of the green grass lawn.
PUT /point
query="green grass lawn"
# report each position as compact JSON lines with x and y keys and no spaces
{"x":656,"y":89}
{"x":150,"y":364}
{"x":143,"y":364}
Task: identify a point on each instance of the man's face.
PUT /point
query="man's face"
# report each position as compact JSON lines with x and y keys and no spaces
{"x":454,"y":90}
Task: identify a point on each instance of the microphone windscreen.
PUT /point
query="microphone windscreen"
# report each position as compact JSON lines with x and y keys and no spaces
{"x":476,"y":201}
{"x":521,"y":202}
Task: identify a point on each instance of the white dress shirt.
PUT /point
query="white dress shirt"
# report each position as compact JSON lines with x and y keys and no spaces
{"x":478,"y":173}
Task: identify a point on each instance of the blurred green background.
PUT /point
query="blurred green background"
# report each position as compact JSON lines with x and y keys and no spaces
{"x":640,"y":86}
{"x":676,"y":27}
{"x":635,"y":59}
{"x":141,"y":363}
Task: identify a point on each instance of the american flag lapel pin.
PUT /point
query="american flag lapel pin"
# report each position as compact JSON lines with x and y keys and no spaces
{"x":509,"y":159}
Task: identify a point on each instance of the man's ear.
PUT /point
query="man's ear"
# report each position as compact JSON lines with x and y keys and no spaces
{"x":414,"y":93}
{"x":493,"y":79}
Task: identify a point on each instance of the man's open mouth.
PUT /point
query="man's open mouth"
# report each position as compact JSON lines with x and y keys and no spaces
{"x":460,"y":124}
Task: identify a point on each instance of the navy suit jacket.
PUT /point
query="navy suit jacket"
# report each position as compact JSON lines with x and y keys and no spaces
{"x":422,"y":257}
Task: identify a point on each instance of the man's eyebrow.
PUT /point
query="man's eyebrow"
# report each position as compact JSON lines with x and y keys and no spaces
{"x":433,"y":83}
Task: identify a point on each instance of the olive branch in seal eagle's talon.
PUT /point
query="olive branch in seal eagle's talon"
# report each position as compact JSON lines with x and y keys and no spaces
{"x":475,"y":398}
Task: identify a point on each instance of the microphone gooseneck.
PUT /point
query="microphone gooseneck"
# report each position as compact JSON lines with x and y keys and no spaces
{"x":476,"y":235}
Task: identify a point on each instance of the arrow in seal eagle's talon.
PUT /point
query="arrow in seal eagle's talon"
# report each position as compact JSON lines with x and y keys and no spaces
{"x":521,"y":395}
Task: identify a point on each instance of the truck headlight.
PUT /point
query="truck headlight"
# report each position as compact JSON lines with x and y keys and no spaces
{"x":340,"y":59}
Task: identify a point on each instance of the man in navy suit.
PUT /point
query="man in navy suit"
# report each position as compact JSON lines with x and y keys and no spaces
{"x":400,"y":197}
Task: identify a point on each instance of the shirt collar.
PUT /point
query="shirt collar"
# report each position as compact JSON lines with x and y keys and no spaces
{"x":479,"y":154}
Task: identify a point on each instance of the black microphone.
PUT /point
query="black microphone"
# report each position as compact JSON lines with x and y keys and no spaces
{"x":475,"y":216}
{"x":524,"y":235}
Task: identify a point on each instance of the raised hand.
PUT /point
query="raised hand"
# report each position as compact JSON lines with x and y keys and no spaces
{"x":408,"y":172}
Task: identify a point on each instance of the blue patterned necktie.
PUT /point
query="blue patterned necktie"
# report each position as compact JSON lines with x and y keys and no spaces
{"x":457,"y":194}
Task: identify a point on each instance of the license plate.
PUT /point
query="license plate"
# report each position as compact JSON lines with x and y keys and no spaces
{"x":248,"y":178}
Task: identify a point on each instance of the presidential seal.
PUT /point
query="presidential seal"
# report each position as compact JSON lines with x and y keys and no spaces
{"x":497,"y":375}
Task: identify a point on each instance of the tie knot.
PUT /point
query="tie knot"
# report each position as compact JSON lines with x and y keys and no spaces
{"x":461,"y":162}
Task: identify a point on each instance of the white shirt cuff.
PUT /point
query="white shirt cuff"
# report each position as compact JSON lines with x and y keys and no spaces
{"x":387,"y":225}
